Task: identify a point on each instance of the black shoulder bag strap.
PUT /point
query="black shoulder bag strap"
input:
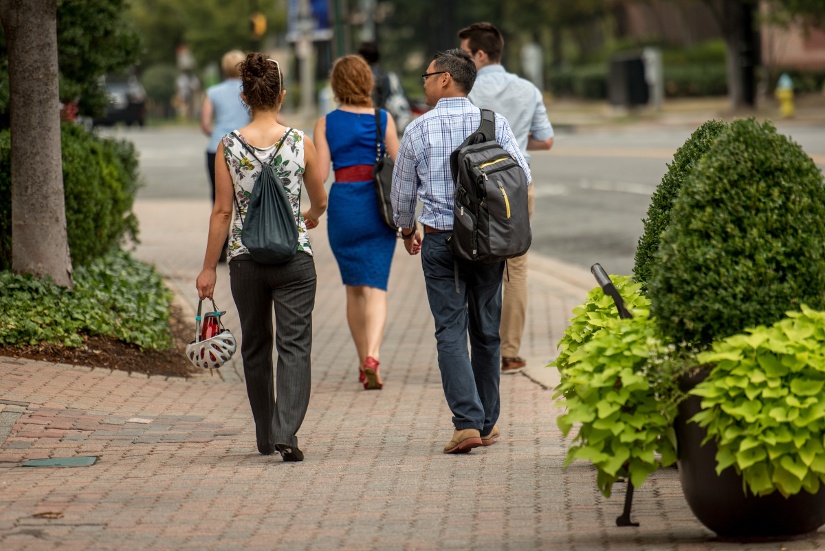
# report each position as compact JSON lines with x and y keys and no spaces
{"x":486,"y":132}
{"x":488,"y":125}
{"x":277,"y":149}
{"x":379,"y":141}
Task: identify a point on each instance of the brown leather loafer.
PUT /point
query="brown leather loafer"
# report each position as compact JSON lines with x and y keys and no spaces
{"x":490,"y":439}
{"x":463,"y":441}
{"x":512,"y":365}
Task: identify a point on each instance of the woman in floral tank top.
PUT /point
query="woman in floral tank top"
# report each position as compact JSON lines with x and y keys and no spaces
{"x":257,"y":288}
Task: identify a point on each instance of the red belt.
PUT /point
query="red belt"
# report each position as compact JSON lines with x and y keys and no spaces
{"x":357,"y":173}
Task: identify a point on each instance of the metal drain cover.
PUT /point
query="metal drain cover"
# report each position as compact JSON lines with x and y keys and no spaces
{"x":82,"y":461}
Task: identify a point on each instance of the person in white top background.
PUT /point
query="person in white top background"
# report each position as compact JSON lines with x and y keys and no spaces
{"x":522,"y":104}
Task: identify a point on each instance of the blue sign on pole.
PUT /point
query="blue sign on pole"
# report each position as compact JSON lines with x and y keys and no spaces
{"x":318,"y":23}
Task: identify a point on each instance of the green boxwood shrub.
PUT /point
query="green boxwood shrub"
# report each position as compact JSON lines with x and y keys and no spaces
{"x":100,"y":180}
{"x":745,"y":240}
{"x":658,"y":213}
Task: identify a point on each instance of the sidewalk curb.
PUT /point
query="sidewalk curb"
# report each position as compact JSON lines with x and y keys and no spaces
{"x":566,"y":278}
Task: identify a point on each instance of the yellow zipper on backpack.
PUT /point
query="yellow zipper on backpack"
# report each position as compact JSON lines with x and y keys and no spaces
{"x":506,"y":199}
{"x":488,"y":163}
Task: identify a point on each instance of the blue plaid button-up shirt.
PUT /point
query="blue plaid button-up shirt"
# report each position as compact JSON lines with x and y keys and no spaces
{"x":422,"y":167}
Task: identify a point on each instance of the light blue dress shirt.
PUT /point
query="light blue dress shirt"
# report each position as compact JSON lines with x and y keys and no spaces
{"x":515,"y":98}
{"x":422,"y":167}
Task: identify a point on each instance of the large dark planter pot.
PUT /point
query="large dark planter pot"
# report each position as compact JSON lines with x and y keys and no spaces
{"x":719,"y":501}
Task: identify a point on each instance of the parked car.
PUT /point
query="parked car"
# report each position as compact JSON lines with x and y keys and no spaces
{"x":127,"y":101}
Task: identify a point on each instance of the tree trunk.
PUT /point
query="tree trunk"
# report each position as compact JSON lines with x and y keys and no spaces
{"x":557,"y":47}
{"x":39,"y":239}
{"x":736,"y":20}
{"x":733,"y":62}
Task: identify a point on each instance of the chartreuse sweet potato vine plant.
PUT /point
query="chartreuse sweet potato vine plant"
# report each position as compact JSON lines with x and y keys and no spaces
{"x":596,"y":311}
{"x":762,"y":403}
{"x":621,"y":389}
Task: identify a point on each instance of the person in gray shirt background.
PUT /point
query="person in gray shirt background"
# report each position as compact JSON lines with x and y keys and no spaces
{"x":522,"y":104}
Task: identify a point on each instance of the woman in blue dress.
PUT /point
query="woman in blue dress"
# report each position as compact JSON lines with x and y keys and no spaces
{"x":362,"y":244}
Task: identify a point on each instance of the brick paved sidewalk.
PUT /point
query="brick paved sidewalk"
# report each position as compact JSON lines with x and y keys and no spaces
{"x":177,"y":466}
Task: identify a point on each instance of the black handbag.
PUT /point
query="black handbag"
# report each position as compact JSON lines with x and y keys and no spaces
{"x":269,"y":231}
{"x":382,"y":176}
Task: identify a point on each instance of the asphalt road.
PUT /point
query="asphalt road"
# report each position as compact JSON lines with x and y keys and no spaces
{"x":592,"y":190}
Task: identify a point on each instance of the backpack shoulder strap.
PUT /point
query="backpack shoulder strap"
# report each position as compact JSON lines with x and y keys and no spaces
{"x":488,"y":125}
{"x":486,"y":132}
{"x":280,"y":143}
{"x":242,"y":141}
{"x":243,"y":144}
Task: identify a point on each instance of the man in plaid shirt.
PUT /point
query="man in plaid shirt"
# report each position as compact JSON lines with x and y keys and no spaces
{"x":422,"y":172}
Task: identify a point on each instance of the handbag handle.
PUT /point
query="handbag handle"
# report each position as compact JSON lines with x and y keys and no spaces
{"x":379,"y":141}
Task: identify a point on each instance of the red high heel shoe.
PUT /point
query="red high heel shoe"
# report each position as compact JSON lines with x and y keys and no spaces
{"x":373,"y":378}
{"x":362,"y":377}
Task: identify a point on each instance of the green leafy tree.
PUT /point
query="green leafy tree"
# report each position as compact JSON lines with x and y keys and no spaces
{"x":94,"y":37}
{"x":738,"y":21}
{"x":209,"y":28}
{"x":810,"y":13}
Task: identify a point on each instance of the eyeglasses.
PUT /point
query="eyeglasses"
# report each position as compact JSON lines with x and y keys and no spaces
{"x":425,"y":75}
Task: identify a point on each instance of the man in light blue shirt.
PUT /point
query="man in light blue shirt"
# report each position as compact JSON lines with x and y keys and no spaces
{"x":422,"y":172}
{"x":522,"y":104}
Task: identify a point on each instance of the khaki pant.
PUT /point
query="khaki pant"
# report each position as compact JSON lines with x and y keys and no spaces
{"x":514,"y":303}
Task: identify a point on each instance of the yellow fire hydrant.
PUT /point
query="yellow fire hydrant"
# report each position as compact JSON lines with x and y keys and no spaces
{"x":784,"y":93}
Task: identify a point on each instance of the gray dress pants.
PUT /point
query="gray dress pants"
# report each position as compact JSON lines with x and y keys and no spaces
{"x":289,"y":289}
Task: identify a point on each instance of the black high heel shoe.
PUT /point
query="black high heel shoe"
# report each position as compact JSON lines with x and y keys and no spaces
{"x":290,"y":453}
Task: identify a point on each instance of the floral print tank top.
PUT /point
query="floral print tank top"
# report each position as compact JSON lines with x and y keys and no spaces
{"x":244,"y":169}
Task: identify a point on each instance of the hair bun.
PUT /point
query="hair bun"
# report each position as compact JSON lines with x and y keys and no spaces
{"x":255,"y":65}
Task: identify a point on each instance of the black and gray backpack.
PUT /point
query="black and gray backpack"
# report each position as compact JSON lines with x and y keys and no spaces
{"x":491,"y":220}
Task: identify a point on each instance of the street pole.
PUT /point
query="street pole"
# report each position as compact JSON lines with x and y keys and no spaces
{"x":339,"y":29}
{"x":304,"y":51}
{"x":748,"y":45}
{"x":368,"y":30}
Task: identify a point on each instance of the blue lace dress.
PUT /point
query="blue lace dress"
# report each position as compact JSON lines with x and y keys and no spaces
{"x":362,"y":244}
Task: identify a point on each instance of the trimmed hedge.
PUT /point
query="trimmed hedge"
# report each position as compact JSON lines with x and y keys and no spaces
{"x":661,"y":203}
{"x":585,"y":82}
{"x":592,"y":81}
{"x":745,"y":240}
{"x":696,"y":80}
{"x":100,"y":181}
